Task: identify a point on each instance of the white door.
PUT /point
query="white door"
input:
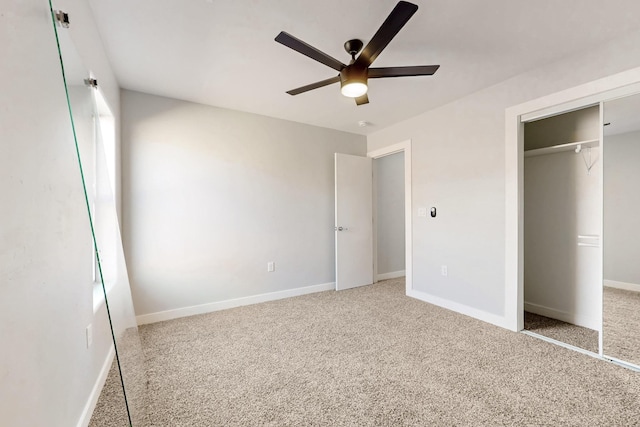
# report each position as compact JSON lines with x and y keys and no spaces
{"x":354,"y":217}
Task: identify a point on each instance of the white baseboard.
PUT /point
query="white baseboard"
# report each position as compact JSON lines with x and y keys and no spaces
{"x":622,"y":285}
{"x":390,"y":275}
{"x":231,"y":303}
{"x":87,"y":412}
{"x":565,"y":316}
{"x":494,"y":319}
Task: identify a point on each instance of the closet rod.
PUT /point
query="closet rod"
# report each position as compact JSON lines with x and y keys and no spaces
{"x":562,"y":147}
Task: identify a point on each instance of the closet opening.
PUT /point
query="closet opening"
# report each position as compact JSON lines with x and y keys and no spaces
{"x":562,"y":216}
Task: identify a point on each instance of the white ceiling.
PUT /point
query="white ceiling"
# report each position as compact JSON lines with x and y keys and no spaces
{"x":223,"y":53}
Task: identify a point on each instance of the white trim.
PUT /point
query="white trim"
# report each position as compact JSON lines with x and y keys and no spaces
{"x":161,"y":316}
{"x":408,"y":194}
{"x":90,"y":406}
{"x":609,"y":359}
{"x":374,"y":211}
{"x":621,"y":363}
{"x":598,"y":239}
{"x":622,"y":285}
{"x":588,"y":94}
{"x":494,"y":319}
{"x":607,"y":88}
{"x":389,"y":150}
{"x":514,"y":230}
{"x":565,"y":316}
{"x":391,"y":275}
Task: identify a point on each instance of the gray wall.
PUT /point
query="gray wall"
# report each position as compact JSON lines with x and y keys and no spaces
{"x":212,"y":195}
{"x":622,"y":208}
{"x":458,"y":165}
{"x":389,"y":178}
{"x":46,"y":297}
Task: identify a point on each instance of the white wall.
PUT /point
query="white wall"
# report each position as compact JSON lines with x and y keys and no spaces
{"x":212,"y":195}
{"x":389,"y":204}
{"x":459,"y":167}
{"x":562,"y":201}
{"x":622,"y":208}
{"x":46,"y":372}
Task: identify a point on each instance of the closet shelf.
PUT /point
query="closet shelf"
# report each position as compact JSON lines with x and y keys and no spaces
{"x":589,"y":143}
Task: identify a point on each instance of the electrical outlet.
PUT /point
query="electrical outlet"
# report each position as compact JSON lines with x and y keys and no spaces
{"x":443,"y":270}
{"x":271,"y":267}
{"x":89,"y":333}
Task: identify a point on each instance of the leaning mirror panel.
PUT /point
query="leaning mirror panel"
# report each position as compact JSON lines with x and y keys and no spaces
{"x":123,"y":398}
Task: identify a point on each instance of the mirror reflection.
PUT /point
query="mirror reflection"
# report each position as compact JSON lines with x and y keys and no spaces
{"x":621,"y":308}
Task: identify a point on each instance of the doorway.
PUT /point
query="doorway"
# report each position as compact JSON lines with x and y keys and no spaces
{"x":388,"y":217}
{"x":344,"y":231}
{"x":394,"y":159}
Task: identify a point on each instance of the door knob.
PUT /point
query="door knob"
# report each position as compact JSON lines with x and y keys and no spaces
{"x":341,"y":228}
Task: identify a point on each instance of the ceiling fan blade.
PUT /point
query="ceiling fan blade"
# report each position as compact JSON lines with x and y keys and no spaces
{"x":315,"y":85}
{"x":418,"y":70}
{"x":308,"y":50}
{"x":387,"y":31}
{"x":364,"y":99}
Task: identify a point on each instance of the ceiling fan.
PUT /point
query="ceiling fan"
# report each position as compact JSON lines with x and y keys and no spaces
{"x":353,"y":77}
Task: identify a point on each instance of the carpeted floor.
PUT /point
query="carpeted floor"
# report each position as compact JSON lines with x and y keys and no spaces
{"x":370,"y":357}
{"x":621,"y":338}
{"x":621,"y":327}
{"x":111,"y":407}
{"x":568,"y":333}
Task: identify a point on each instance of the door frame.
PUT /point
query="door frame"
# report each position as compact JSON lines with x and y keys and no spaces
{"x":592,"y":93}
{"x":401,"y":147}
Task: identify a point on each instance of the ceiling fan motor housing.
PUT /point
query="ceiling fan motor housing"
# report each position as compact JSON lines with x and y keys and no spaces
{"x":354,"y":77}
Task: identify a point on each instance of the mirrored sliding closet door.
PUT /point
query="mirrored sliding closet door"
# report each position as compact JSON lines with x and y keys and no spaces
{"x":621,"y":159}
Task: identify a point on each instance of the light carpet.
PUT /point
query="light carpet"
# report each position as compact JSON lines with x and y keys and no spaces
{"x":371,"y":357}
{"x":577,"y":336}
{"x":621,"y":338}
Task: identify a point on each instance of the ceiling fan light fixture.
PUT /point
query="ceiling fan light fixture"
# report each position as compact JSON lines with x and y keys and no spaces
{"x":353,"y":82}
{"x":353,"y":89}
